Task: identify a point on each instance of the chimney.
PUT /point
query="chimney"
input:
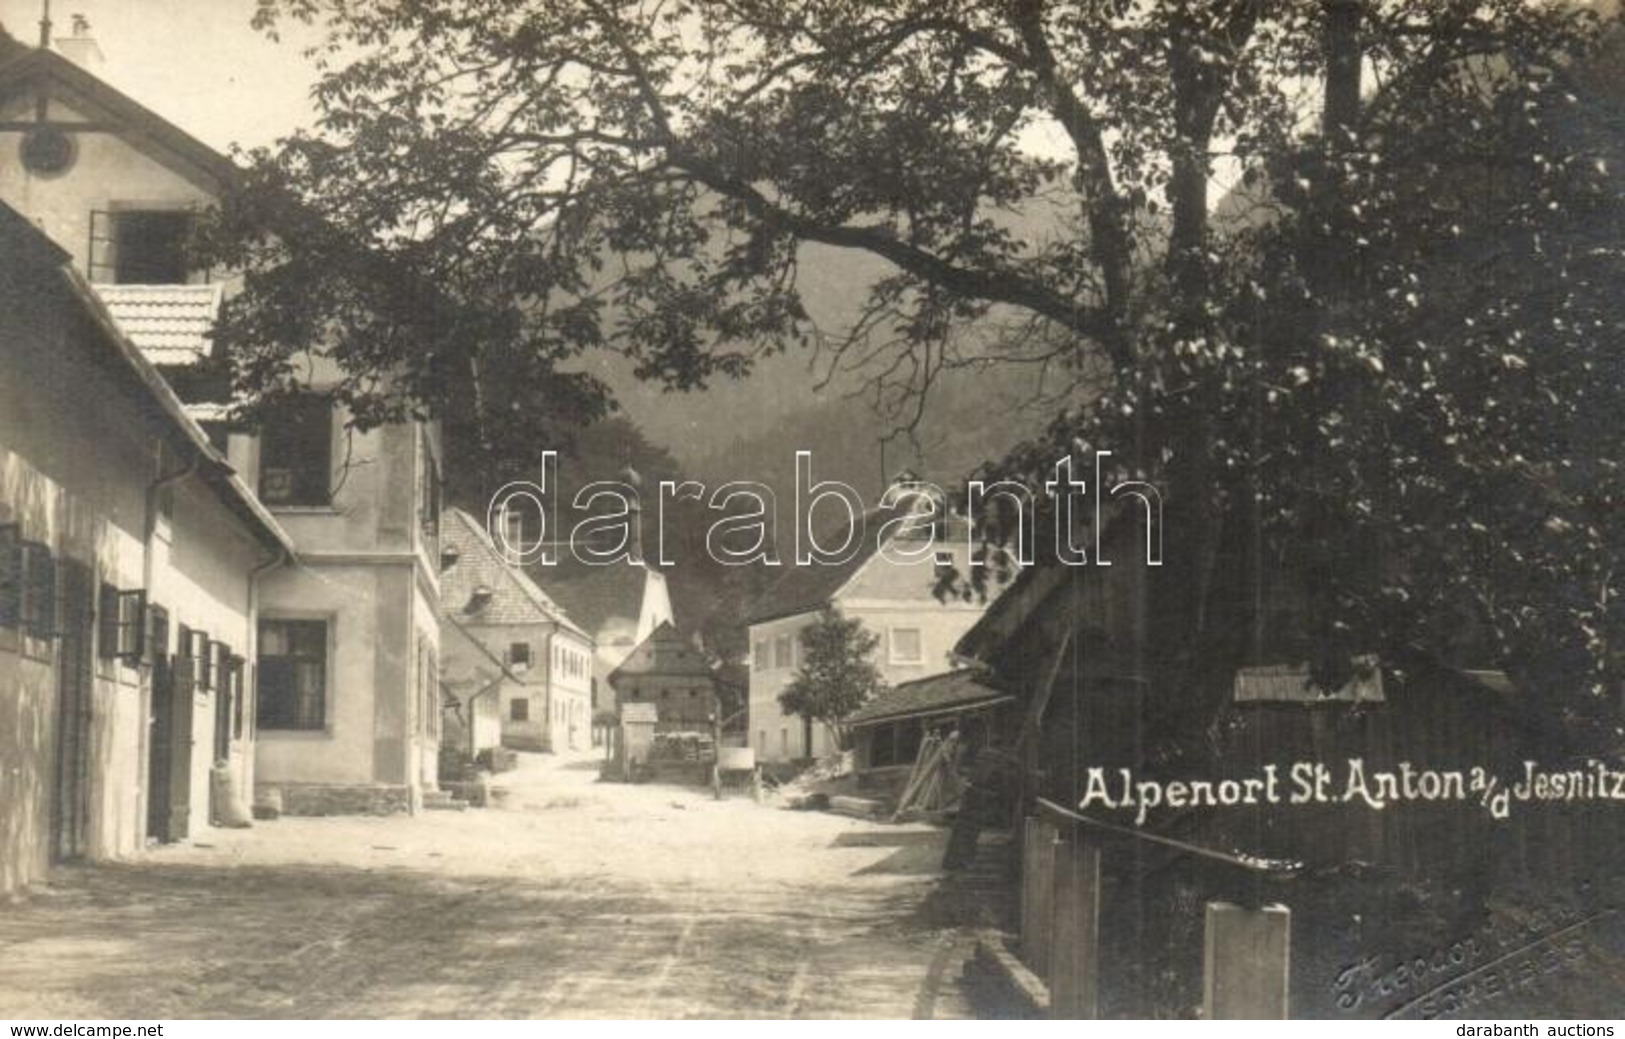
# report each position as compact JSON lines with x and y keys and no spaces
{"x":81,"y":48}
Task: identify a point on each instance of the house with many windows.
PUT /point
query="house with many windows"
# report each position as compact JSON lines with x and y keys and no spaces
{"x":519,"y":660}
{"x":131,"y":560}
{"x":669,"y":671}
{"x":891,"y":590}
{"x":347,"y":704}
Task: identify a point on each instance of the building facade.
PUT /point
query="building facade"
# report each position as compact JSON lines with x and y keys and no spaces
{"x":891,"y":592}
{"x":519,"y":657}
{"x":131,"y":559}
{"x":347,"y":706}
{"x":666,"y":670}
{"x":619,"y":605}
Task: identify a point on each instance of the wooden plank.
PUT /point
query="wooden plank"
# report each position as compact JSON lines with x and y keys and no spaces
{"x":1032,"y":725}
{"x":1075,"y":953}
{"x":1037,"y":895}
{"x":1247,"y":960}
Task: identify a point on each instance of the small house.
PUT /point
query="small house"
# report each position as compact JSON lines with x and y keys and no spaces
{"x":668,"y":671}
{"x":518,"y":655}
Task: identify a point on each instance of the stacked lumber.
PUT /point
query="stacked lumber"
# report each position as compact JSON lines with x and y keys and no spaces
{"x":933,"y":783}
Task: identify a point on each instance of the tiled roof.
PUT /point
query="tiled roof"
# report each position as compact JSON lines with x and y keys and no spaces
{"x":511,"y":597}
{"x":930,"y":695}
{"x":26,"y":246}
{"x":664,"y":652}
{"x":170,"y":323}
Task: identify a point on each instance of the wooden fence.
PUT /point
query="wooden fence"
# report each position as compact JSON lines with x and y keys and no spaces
{"x":1246,"y":951}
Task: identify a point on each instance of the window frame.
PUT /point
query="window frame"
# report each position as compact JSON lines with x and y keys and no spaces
{"x":892,"y":654}
{"x":312,"y":727}
{"x":11,"y":576}
{"x":120,"y":219}
{"x":303,"y":474}
{"x":35,"y":590}
{"x":122,"y":621}
{"x":199,"y":652}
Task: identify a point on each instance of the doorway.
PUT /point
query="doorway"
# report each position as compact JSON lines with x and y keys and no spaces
{"x":71,"y":805}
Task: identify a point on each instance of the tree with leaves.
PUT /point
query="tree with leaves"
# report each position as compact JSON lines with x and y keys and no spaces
{"x":837,"y":674}
{"x":1385,"y":363}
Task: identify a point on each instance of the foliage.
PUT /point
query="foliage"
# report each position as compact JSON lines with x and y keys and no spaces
{"x":837,"y":673}
{"x":1387,"y":372}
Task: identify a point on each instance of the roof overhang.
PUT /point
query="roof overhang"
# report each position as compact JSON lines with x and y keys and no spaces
{"x":212,"y":468}
{"x":963,"y":707}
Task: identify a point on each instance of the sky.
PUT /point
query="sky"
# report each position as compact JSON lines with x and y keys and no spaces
{"x":195,"y":62}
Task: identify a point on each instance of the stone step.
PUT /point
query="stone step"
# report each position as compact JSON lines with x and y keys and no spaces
{"x":442,"y":801}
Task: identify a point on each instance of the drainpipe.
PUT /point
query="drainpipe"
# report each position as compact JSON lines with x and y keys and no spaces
{"x":150,"y":532}
{"x":154,"y":490}
{"x":251,"y":656}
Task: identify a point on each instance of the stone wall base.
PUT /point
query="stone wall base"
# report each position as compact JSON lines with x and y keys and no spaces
{"x":335,"y":799}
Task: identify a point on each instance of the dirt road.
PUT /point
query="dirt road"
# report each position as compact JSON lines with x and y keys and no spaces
{"x":571,"y":899}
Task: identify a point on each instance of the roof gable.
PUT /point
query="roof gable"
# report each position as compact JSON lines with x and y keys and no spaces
{"x":806,"y":589}
{"x":666,"y":652}
{"x":23,"y":67}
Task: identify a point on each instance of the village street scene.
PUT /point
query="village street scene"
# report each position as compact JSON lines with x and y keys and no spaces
{"x":576,"y":509}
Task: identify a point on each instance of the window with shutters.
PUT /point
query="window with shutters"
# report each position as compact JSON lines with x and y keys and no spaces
{"x":200,"y":659}
{"x":11,"y":576}
{"x":123,"y":627}
{"x":37,"y":581}
{"x":519,"y":654}
{"x":157,"y":632}
{"x":185,"y":667}
{"x":296,"y":453}
{"x":292,"y":675}
{"x":219,"y":666}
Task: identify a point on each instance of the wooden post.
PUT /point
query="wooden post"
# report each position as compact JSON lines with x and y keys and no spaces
{"x":1246,"y":962}
{"x":1075,"y":952}
{"x":1037,"y":894}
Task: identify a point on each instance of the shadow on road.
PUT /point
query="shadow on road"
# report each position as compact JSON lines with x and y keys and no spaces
{"x":888,"y":839}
